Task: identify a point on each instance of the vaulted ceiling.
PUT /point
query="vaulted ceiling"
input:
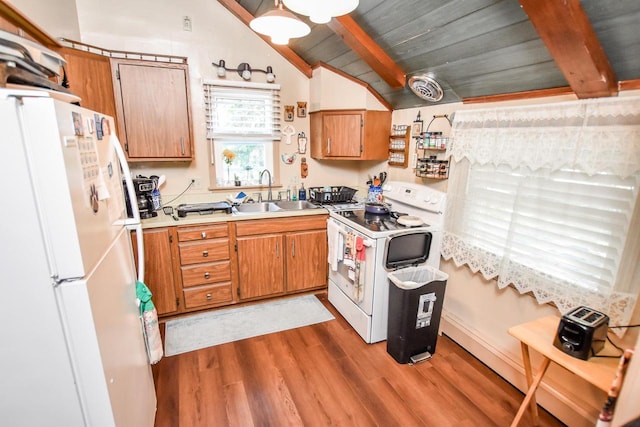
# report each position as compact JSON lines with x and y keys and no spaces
{"x":477,"y":50}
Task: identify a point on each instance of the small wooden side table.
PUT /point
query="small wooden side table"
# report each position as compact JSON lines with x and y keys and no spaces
{"x":539,"y":334}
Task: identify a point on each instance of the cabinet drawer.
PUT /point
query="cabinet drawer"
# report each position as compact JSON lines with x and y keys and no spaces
{"x":207,"y":295}
{"x":201,"y":233}
{"x":208,"y":251}
{"x":281,"y":225}
{"x":204,"y":274}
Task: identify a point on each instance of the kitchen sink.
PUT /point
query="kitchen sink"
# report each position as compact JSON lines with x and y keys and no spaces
{"x":291,"y":205}
{"x":261,"y":207}
{"x":277,"y":206}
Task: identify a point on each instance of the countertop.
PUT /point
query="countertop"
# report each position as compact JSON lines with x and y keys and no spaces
{"x":163,"y":220}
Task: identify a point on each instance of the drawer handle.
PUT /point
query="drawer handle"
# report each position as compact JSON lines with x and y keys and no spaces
{"x":207,"y":275}
{"x":205,"y":253}
{"x":209,"y":297}
{"x":204,"y":235}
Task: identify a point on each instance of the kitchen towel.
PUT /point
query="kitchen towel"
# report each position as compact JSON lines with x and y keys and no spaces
{"x":333,"y":239}
{"x":232,"y":324}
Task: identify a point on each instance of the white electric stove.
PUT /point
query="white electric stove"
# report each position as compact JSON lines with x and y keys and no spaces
{"x":358,"y":283}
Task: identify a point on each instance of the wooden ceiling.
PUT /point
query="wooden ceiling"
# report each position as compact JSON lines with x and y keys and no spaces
{"x":478,"y":50}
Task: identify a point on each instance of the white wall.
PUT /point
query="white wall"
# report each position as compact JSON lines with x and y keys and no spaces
{"x":58,"y":18}
{"x":331,"y":91}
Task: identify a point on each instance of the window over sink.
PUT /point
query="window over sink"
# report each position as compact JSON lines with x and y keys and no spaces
{"x":243,"y":121}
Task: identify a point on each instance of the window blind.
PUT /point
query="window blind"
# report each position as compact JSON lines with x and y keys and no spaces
{"x":564,"y":223}
{"x":245,"y":111}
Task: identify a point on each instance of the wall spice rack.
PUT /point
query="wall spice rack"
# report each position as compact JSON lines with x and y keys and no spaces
{"x":427,"y":164}
{"x":399,"y":142}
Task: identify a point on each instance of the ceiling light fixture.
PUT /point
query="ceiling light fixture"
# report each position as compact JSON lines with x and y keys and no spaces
{"x":244,"y":70}
{"x":321,"y":11}
{"x":279,"y":24}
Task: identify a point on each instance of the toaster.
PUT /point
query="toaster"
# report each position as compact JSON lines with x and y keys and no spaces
{"x":582,"y":332}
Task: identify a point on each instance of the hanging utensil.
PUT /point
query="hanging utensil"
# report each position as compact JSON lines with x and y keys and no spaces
{"x":383,"y":177}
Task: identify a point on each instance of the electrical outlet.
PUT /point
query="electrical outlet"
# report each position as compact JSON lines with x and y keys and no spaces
{"x":195,"y":183}
{"x":186,"y":23}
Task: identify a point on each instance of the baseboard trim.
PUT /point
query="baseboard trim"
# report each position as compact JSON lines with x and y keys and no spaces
{"x":510,"y":368}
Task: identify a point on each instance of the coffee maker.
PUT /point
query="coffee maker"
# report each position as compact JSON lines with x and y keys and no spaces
{"x":144,"y":197}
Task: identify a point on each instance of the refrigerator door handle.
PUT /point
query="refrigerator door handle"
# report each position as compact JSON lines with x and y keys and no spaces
{"x":131,"y":223}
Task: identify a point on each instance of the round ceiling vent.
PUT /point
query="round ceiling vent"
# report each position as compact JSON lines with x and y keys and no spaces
{"x":426,"y":87}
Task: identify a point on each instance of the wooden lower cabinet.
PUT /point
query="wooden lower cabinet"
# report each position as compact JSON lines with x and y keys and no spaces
{"x":260,"y":266}
{"x":158,"y":271}
{"x":306,"y":260}
{"x":189,"y":268}
{"x":204,"y":255}
{"x":280,"y":256}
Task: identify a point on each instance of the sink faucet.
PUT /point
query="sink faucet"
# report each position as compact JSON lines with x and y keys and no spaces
{"x":269,"y":194}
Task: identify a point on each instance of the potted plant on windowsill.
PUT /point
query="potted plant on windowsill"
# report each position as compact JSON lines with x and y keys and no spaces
{"x":236,"y":180}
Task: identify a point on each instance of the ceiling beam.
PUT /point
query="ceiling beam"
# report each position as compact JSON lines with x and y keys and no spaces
{"x":241,"y":13}
{"x":361,"y":43}
{"x":567,"y":32}
{"x":528,"y":94}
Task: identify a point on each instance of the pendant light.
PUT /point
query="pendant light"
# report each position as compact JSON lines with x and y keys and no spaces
{"x":321,"y":11}
{"x":279,"y":24}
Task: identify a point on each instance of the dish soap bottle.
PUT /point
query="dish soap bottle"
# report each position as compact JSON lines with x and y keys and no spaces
{"x":302,"y":194}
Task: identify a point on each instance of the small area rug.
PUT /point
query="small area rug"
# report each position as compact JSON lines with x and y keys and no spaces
{"x":233,"y":324}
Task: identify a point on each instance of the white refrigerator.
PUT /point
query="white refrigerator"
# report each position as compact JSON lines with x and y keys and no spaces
{"x":72,"y":350}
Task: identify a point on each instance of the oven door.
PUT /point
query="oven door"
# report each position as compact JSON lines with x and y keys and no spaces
{"x":409,"y":248}
{"x":355,"y":274}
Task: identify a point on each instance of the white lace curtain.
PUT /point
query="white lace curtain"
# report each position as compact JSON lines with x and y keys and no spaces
{"x":543,"y":198}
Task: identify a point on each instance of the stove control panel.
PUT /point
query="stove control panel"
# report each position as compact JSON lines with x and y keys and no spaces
{"x":416,"y":195}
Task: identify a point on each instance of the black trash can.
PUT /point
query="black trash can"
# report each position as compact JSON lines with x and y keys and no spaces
{"x":416,"y":295}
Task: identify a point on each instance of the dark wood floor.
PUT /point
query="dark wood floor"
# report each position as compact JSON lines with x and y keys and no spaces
{"x":326,"y":375}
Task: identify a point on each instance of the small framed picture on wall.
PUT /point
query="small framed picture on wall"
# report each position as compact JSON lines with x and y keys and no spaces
{"x":302,"y":109}
{"x":416,"y":128}
{"x":289,"y":113}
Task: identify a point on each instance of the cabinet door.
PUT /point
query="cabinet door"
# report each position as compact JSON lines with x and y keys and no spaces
{"x":306,"y":260}
{"x":153,"y":106}
{"x":158,"y":269}
{"x":260,"y":265}
{"x":343,"y":134}
{"x":89,"y":76}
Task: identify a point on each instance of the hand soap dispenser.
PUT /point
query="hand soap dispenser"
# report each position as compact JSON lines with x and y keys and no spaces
{"x":302,"y":194}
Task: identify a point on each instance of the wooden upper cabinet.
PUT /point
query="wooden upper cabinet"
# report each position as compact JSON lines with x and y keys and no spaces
{"x":350,"y":134}
{"x":89,"y":77}
{"x":153,"y":110}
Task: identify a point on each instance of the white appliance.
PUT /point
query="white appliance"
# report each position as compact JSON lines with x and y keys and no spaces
{"x":73,"y":352}
{"x":363,"y":301}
